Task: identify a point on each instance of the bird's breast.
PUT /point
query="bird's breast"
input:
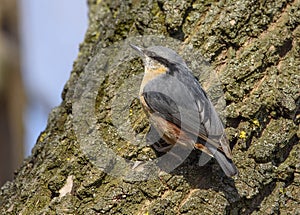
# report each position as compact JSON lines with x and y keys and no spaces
{"x":150,"y":74}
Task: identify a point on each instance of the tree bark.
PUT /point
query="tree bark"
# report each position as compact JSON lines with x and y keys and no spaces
{"x":253,"y":47}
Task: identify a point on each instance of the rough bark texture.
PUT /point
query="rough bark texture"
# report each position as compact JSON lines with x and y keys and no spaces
{"x":253,"y":46}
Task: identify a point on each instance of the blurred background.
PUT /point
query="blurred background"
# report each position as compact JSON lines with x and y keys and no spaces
{"x":39,"y":40}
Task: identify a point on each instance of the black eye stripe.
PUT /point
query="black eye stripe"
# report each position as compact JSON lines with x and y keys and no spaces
{"x":164,"y":61}
{"x":161,"y":60}
{"x":149,"y":53}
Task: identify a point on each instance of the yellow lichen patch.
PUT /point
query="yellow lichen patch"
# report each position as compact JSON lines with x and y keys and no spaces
{"x":281,"y":190}
{"x":130,"y":112}
{"x":243,"y":135}
{"x":256,"y":122}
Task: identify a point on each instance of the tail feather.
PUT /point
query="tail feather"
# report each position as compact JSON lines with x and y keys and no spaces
{"x":224,"y":161}
{"x":226,"y":164}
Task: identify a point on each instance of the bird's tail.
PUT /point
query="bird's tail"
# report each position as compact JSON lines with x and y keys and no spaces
{"x":226,"y":164}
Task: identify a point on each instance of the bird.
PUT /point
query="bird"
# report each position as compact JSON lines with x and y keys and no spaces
{"x":179,"y":108}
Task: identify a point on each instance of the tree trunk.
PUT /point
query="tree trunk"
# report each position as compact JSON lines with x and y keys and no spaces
{"x":251,"y":47}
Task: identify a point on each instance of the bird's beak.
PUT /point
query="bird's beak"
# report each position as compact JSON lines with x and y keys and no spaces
{"x":138,"y":49}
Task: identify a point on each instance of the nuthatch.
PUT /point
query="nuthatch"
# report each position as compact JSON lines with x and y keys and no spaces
{"x":166,"y":71}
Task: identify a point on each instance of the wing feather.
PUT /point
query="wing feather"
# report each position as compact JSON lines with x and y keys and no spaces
{"x":179,"y":99}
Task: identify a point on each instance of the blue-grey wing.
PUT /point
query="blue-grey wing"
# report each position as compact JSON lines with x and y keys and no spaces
{"x":179,"y":98}
{"x":208,"y":115}
{"x":169,"y":98}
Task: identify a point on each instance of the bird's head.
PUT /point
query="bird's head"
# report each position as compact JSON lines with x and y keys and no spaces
{"x":158,"y":57}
